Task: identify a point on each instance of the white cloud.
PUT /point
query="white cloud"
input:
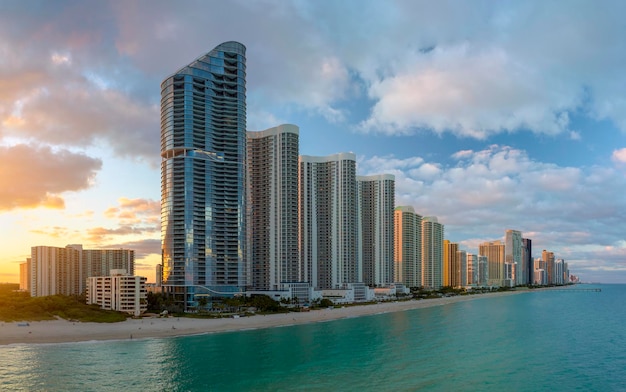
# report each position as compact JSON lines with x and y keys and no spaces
{"x":473,"y":92}
{"x":501,"y":187}
{"x":61,"y":59}
{"x":619,"y":155}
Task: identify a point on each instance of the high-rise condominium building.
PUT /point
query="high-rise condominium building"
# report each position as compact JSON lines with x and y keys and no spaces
{"x":54,"y":270}
{"x":483,"y":271}
{"x":100,"y":262}
{"x":328,"y":220}
{"x":472,"y":269}
{"x":547,"y":264}
{"x":513,"y":252}
{"x":451,"y":264}
{"x":527,"y":256}
{"x":432,"y":252}
{"x":560,"y":272}
{"x":273,"y":207}
{"x":445,"y":268}
{"x":203,"y":149}
{"x":376,"y":219}
{"x":25,"y":275}
{"x":494,"y":251}
{"x":461,"y":261}
{"x":408,"y":246}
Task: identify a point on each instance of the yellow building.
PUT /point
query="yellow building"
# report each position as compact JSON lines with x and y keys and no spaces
{"x":408,"y":246}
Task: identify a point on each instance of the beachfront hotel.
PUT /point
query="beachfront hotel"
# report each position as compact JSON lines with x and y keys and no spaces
{"x":408,"y":246}
{"x":328,"y":220}
{"x":203,"y":139}
{"x":272,"y":164}
{"x":376,"y":225}
{"x":432,"y":252}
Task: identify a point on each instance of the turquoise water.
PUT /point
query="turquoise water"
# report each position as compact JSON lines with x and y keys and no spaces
{"x":537,"y":341}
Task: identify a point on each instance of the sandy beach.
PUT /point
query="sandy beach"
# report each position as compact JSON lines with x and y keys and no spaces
{"x":59,"y":331}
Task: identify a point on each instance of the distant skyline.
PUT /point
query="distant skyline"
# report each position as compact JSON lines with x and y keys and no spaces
{"x":492,"y":115}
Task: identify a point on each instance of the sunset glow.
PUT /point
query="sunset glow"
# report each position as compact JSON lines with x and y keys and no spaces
{"x":490,"y":118}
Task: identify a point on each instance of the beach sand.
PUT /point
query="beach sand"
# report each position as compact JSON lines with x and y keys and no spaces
{"x":59,"y":331}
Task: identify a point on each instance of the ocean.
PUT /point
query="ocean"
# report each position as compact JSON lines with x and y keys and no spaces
{"x":538,"y":341}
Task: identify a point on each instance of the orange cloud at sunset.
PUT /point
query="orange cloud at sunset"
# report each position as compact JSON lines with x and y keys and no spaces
{"x":134,"y":217}
{"x":33,"y":176}
{"x":135,"y":211}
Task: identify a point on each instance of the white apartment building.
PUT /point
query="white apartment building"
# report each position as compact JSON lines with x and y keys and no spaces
{"x":55,"y":271}
{"x":376,"y":224}
{"x":329,"y":245}
{"x":52,"y":270}
{"x":119,"y":291}
{"x":272,"y":207}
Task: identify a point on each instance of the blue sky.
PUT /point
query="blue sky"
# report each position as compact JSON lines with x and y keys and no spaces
{"x":493,"y":115}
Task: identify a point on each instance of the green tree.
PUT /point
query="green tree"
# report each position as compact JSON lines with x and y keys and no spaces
{"x":325,"y":302}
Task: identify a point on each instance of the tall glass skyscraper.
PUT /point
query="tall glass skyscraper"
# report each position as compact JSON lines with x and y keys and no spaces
{"x":203,"y":150}
{"x":513,"y":249}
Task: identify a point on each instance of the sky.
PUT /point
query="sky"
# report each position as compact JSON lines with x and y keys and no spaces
{"x":492,"y":115}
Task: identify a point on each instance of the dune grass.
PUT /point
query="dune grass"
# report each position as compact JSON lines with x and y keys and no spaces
{"x":19,"y":306}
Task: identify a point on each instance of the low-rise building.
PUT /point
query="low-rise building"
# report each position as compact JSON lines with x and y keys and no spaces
{"x":119,"y":291}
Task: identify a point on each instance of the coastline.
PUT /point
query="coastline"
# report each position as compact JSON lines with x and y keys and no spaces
{"x":63,"y":331}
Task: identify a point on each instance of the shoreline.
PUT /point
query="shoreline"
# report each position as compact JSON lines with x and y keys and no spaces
{"x":64,"y":331}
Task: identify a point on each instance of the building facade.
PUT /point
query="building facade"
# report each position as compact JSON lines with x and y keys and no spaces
{"x":203,"y":150}
{"x":432,"y":252}
{"x":547,"y":264}
{"x":451,"y":264}
{"x":527,"y":256}
{"x":494,"y":251}
{"x":119,"y":291}
{"x":461,"y":257}
{"x":53,"y":270}
{"x":25,"y":275}
{"x":329,"y":246}
{"x":272,"y":177}
{"x":376,"y":198}
{"x":483,"y":271}
{"x":100,"y":262}
{"x":472,"y":269}
{"x":408,"y":246}
{"x":513,"y":257}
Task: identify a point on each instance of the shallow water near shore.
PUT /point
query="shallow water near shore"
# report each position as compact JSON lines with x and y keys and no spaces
{"x":544,"y":340}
